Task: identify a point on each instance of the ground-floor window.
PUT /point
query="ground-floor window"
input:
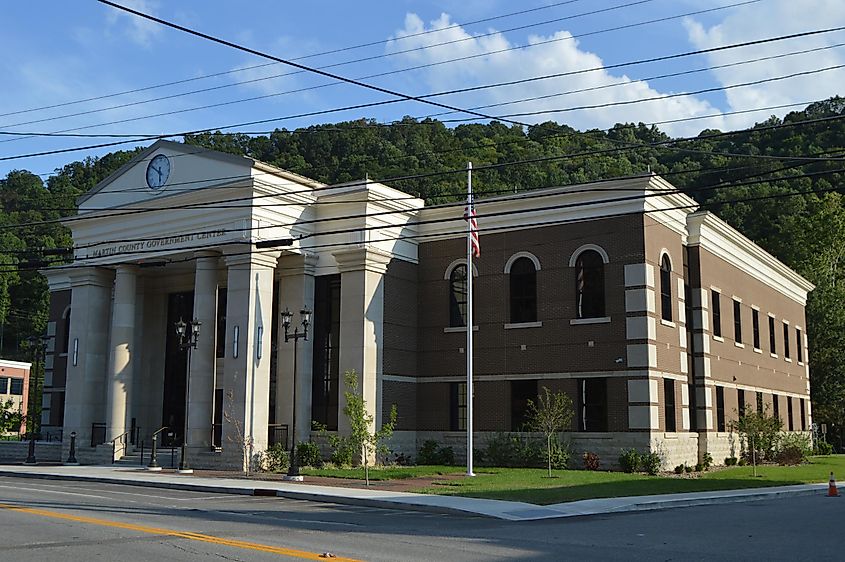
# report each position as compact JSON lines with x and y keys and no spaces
{"x":790,"y":423}
{"x":720,"y":408}
{"x":458,"y":410}
{"x":759,"y":402}
{"x":693,"y":409}
{"x":669,"y":405}
{"x":776,"y":406}
{"x":521,"y":393}
{"x":740,"y":400}
{"x":593,"y":404}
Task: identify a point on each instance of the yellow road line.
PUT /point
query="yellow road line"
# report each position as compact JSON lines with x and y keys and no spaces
{"x":172,"y":533}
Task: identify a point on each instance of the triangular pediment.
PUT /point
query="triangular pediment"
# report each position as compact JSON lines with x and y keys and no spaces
{"x":167,"y":169}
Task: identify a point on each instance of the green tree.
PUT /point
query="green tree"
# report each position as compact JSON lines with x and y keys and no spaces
{"x":551,"y":414}
{"x":363,"y":436}
{"x":11,"y":417}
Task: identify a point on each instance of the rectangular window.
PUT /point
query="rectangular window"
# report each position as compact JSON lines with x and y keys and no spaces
{"x":593,"y":399}
{"x":325,"y":382}
{"x":669,"y":404}
{"x":786,"y":340}
{"x":776,"y":406}
{"x":715,"y":297}
{"x":16,"y":387}
{"x":740,"y":400}
{"x":521,"y":393}
{"x":772,"y":344}
{"x":759,"y":402}
{"x":790,"y":422}
{"x":459,"y":407}
{"x":800,"y":343}
{"x":221,"y":323}
{"x":720,"y":408}
{"x":755,"y":325}
{"x":803,"y":413}
{"x":4,"y":385}
{"x":737,"y":322}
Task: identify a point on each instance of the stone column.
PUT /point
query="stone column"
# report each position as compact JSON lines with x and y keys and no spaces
{"x":296,"y":290}
{"x":88,"y":353}
{"x":122,"y":351}
{"x":203,"y":358}
{"x":362,"y":325}
{"x":246,"y":391}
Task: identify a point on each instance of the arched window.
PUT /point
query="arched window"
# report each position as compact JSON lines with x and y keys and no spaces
{"x":666,"y":288}
{"x":589,"y":285}
{"x":523,"y":280}
{"x":458,"y":296}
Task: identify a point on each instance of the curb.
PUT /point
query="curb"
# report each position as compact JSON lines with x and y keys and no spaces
{"x":581,"y":508}
{"x":250,"y":491}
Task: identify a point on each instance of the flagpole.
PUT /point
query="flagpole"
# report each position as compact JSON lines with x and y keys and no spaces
{"x":470,"y":210}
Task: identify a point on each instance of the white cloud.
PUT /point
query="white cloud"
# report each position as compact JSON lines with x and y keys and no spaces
{"x":782,"y":17}
{"x":138,"y":30}
{"x":559,"y":56}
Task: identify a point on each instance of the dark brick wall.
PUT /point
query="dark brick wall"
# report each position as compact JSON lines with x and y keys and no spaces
{"x":400,"y":319}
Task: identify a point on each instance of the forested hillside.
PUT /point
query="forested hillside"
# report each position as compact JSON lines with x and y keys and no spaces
{"x":780,"y":183}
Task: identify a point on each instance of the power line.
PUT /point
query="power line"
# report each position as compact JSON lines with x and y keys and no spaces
{"x":335,"y":65}
{"x":377,"y":75}
{"x":312,"y":55}
{"x":456,"y":171}
{"x":500,"y":228}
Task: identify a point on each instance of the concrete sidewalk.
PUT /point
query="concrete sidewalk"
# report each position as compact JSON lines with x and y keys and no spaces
{"x":498,"y":509}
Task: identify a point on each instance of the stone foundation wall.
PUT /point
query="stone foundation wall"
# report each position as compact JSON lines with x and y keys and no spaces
{"x":17,"y":451}
{"x":676,"y":448}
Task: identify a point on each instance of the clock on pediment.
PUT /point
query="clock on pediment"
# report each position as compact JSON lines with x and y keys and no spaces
{"x":158,"y":171}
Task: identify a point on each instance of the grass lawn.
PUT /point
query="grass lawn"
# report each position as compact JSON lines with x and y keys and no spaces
{"x":383,"y":473}
{"x":533,"y":485}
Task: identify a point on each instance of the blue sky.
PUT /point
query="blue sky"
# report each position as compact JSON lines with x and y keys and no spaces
{"x":70,"y":51}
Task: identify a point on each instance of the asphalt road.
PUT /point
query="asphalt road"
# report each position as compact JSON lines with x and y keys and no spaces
{"x":42,"y":520}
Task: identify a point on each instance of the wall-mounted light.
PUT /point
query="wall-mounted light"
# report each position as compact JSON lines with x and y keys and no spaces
{"x":235,"y":338}
{"x":75,"y":351}
{"x":260,"y":338}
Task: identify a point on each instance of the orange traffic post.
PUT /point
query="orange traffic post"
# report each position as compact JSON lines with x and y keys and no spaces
{"x":832,"y":492}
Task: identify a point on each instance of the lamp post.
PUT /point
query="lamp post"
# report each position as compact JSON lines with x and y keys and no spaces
{"x":188,"y":335}
{"x":305,"y":319}
{"x":37,"y":345}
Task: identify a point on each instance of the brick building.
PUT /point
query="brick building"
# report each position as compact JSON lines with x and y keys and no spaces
{"x":660,"y":321}
{"x":14,"y":386}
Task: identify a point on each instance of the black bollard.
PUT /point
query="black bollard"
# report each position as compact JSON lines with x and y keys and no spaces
{"x":71,"y":458}
{"x":30,"y":459}
{"x":153,"y":456}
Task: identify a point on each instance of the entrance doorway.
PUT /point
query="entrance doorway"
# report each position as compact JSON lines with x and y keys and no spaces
{"x":179,"y":305}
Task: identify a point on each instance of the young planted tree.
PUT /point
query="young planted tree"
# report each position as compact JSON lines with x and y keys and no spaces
{"x":363,"y":436}
{"x":11,"y":417}
{"x":550,"y":415}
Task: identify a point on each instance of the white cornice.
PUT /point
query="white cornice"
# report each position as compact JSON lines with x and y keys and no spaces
{"x":711,"y":233}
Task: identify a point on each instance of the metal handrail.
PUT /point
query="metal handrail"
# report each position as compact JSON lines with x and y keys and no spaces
{"x":153,"y":457}
{"x":122,"y":438}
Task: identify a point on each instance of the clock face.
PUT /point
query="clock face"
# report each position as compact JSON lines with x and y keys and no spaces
{"x":158,"y":171}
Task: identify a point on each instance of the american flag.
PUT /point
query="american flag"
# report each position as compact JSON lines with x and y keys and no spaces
{"x":470,"y":215}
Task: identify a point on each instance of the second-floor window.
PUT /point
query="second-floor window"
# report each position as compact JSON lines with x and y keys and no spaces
{"x":458,"y":296}
{"x":786,"y":340}
{"x":666,"y":288}
{"x":523,"y":286}
{"x":737,"y":321}
{"x":715,"y":297}
{"x":772,"y":345}
{"x":755,"y":325}
{"x":589,"y":285}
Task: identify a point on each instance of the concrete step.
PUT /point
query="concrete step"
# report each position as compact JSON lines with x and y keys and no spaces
{"x":132,"y":459}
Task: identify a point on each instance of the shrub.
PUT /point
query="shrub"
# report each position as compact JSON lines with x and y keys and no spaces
{"x":823,"y":448}
{"x":308,"y":454}
{"x":431,"y":453}
{"x":679,"y":469}
{"x":687,"y":469}
{"x":760,"y":432}
{"x":794,"y":448}
{"x":401,"y":459}
{"x":651,"y":462}
{"x":591,"y":461}
{"x":730,"y":461}
{"x":343,"y":453}
{"x":699,"y":467}
{"x":630,"y":460}
{"x":706,"y":461}
{"x":276,"y":458}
